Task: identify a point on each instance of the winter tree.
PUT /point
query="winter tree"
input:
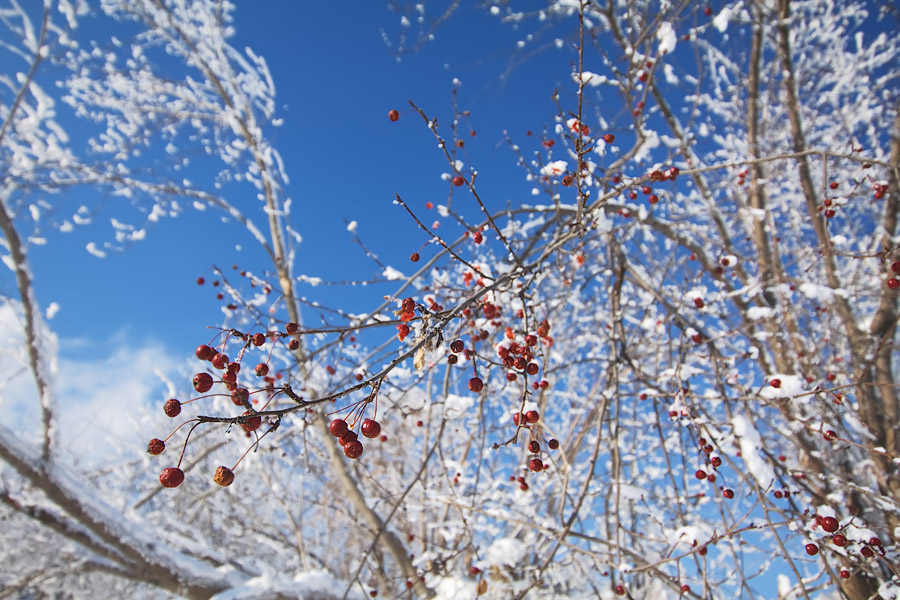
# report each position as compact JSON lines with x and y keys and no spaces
{"x":665,"y":369}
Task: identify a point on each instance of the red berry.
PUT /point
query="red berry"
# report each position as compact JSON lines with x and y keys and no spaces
{"x":536,"y":465}
{"x":240,"y":396}
{"x":867,"y":552}
{"x":200,"y":281}
{"x":716,"y":461}
{"x":700,"y":474}
{"x":517,"y":417}
{"x":202,"y":382}
{"x":476,"y":385}
{"x":338,"y":427}
{"x":252,"y":423}
{"x":458,"y":181}
{"x":845,"y":574}
{"x":348,"y":437}
{"x":833,"y":185}
{"x":534,"y":447}
{"x":775,"y":383}
{"x":893,"y":283}
{"x":393,"y":115}
{"x":895,"y":266}
{"x":553,"y":444}
{"x":839,"y":539}
{"x":293,"y":344}
{"x":262,"y":369}
{"x":532,"y":369}
{"x":291,"y":328}
{"x":370,"y":428}
{"x":707,"y":11}
{"x":224,"y":476}
{"x":457,"y":346}
{"x":414,"y":257}
{"x":812,"y":549}
{"x":172,"y":407}
{"x":685,"y":588}
{"x":728,"y":493}
{"x":156,"y":446}
{"x":204,"y":352}
{"x":620,"y":590}
{"x":830,"y":524}
{"x":258,"y":339}
{"x":171,"y":477}
{"x":532,"y":416}
{"x":353,"y":449}
{"x":698,"y":302}
{"x":477,"y":237}
{"x":220,"y":361}
{"x":830,"y":435}
{"x":609,"y":138}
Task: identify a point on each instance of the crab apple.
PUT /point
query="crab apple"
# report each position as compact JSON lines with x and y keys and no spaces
{"x":202,"y":382}
{"x":224,"y":476}
{"x":812,"y":549}
{"x":172,"y":408}
{"x":830,"y":435}
{"x":536,"y":465}
{"x":220,"y":361}
{"x":349,"y":436}
{"x":258,"y":339}
{"x":620,"y":590}
{"x":171,"y":477}
{"x":728,"y":493}
{"x":839,"y":539}
{"x":532,"y":369}
{"x":893,"y":283}
{"x":845,"y":574}
{"x":291,"y":327}
{"x":353,"y":449}
{"x":867,"y":552}
{"x":532,"y":416}
{"x":476,"y":385}
{"x":534,"y":447}
{"x":204,"y":352}
{"x":553,"y":444}
{"x":293,"y":344}
{"x":477,"y":237}
{"x":609,"y":138}
{"x":156,"y":447}
{"x":458,"y":181}
{"x":414,"y":257}
{"x":775,"y":383}
{"x":252,"y":423}
{"x":370,"y":428}
{"x":698,"y":302}
{"x":457,"y":346}
{"x":338,"y":427}
{"x":700,"y":474}
{"x":393,"y":115}
{"x":262,"y":369}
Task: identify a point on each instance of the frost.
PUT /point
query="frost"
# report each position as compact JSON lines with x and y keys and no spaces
{"x":667,"y":38}
{"x":755,"y":313}
{"x":392,"y":274}
{"x":720,"y":21}
{"x":505,"y":552}
{"x":751,"y":448}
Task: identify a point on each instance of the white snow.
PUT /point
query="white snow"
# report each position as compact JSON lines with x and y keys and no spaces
{"x":667,"y":38}
{"x":750,"y":451}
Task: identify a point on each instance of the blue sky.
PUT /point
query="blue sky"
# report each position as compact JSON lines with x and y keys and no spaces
{"x":336,"y":80}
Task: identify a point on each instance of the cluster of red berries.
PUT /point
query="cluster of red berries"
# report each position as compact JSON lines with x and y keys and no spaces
{"x":407,"y":313}
{"x":894,"y":271}
{"x":349,"y":439}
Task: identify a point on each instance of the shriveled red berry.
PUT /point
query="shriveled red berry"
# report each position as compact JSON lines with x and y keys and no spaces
{"x":553,"y":444}
{"x":393,"y":115}
{"x":156,"y":447}
{"x":812,"y":549}
{"x":291,"y":328}
{"x":293,"y":344}
{"x":204,"y":352}
{"x":536,"y":465}
{"x":171,"y":477}
{"x":202,"y":382}
{"x":414,"y":257}
{"x":224,"y":476}
{"x":370,"y":428}
{"x":457,"y":346}
{"x":338,"y":427}
{"x":534,"y":447}
{"x":353,"y":449}
{"x":476,"y":385}
{"x":172,"y":407}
